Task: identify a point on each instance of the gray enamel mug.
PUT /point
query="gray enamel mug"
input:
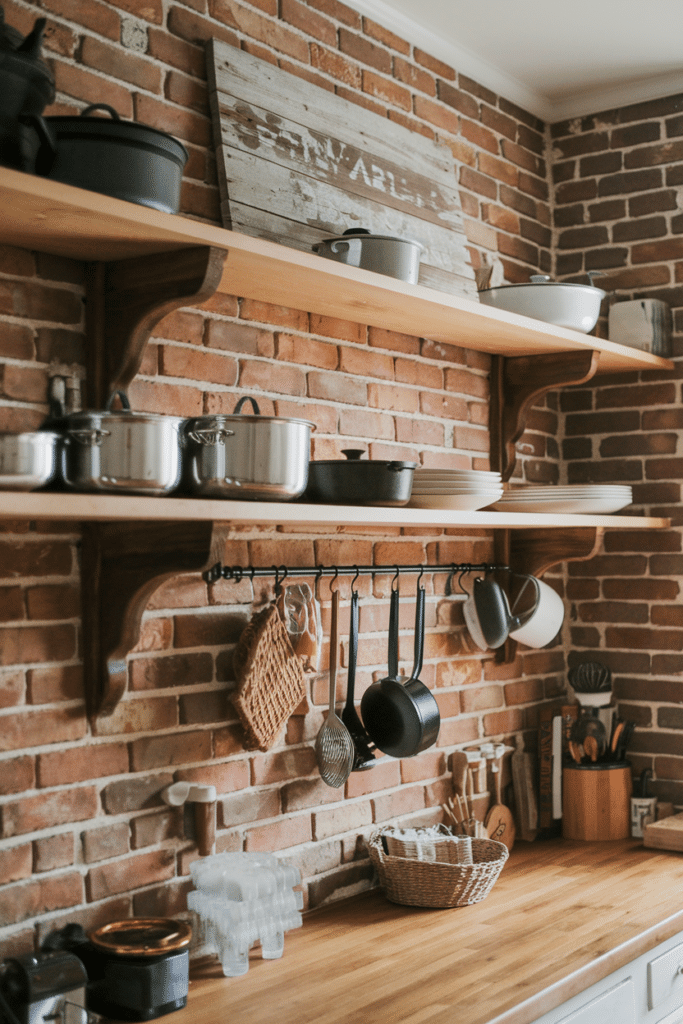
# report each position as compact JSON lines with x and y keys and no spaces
{"x":383,"y":254}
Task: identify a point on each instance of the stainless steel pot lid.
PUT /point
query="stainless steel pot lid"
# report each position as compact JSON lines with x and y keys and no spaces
{"x":126,"y":414}
{"x":237,"y":417}
{"x":142,"y":936}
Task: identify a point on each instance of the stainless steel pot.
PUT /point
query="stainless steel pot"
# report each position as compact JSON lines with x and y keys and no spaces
{"x":385,"y":254}
{"x":28,"y":460}
{"x":257,"y":458}
{"x":121,"y":451}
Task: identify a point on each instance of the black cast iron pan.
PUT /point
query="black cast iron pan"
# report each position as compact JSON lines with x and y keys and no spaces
{"x":402,"y":716}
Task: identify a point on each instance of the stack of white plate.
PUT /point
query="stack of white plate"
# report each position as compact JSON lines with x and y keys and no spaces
{"x":590,"y":499}
{"x":463,"y":489}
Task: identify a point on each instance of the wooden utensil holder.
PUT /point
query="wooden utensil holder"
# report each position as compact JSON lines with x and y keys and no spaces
{"x":596,"y":801}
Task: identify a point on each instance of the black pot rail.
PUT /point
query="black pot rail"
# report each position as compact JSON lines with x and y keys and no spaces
{"x":281,"y":572}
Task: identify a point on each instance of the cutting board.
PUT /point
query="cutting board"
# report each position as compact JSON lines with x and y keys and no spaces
{"x":297,"y":163}
{"x":666,"y":834}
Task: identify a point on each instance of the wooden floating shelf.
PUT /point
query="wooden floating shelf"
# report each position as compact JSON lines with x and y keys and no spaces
{"x":127,"y":507}
{"x":54,"y":218}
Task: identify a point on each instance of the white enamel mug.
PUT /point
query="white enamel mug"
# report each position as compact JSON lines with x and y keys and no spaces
{"x":542,"y":623}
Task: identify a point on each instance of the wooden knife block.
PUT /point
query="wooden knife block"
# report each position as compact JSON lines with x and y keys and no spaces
{"x":596,"y":801}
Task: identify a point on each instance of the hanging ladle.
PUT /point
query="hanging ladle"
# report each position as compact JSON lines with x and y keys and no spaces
{"x":364,"y":747}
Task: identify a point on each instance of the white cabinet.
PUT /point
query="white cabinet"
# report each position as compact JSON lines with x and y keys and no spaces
{"x":649,"y":990}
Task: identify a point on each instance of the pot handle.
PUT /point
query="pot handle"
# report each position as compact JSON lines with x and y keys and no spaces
{"x":123,"y":398}
{"x":392,"y":658}
{"x":519,"y":620}
{"x":101,"y":106}
{"x":419,"y":633}
{"x":89,"y":437}
{"x":247,"y":398}
{"x":352,"y":246}
{"x":210,"y":436}
{"x":353,"y":652}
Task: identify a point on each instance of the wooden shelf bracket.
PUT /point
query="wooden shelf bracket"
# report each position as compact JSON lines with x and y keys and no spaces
{"x":126,"y":298}
{"x":122,"y":565}
{"x":517,"y":382}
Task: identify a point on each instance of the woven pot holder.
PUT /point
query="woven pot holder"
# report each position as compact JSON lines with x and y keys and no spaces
{"x":270,"y":677}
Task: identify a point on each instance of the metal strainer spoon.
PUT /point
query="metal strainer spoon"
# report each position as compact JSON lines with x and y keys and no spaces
{"x":334,"y":749}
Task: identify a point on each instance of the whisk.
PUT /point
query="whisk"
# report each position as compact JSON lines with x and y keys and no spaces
{"x":592,"y":682}
{"x":334,"y":749}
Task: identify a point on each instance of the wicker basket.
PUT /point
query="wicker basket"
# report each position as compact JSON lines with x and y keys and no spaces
{"x":419,"y":883}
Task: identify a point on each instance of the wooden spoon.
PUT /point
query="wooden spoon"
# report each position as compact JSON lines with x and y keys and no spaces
{"x":500,"y":824}
{"x":590,"y":745}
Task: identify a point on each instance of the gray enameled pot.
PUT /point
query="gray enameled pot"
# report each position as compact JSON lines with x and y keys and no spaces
{"x":384,"y":254}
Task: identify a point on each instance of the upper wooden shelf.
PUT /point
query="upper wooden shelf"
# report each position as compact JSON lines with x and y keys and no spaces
{"x":50,"y":217}
{"x":129,"y":507}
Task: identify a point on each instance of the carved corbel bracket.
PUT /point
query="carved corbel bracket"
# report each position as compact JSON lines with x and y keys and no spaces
{"x":125,"y":299}
{"x":534,"y":551}
{"x":123,"y":563}
{"x":517,"y":383}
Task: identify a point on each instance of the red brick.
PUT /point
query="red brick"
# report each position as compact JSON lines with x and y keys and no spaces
{"x":145,"y":715}
{"x":52,"y":852}
{"x":53,"y":602}
{"x":48,"y":809}
{"x":281,"y":766}
{"x":82,"y":763}
{"x":406,"y":800}
{"x":393,"y":341}
{"x":415,"y":77}
{"x":135,"y":794}
{"x":17,"y":775}
{"x":161,"y":751}
{"x":91,"y":88}
{"x":34,"y":728}
{"x":53,"y":683}
{"x":104,"y":843}
{"x":120,"y":64}
{"x":16,"y":862}
{"x":441,"y":117}
{"x":41,"y":896}
{"x":280,"y":834}
{"x":302,"y":17}
{"x":130,"y":873}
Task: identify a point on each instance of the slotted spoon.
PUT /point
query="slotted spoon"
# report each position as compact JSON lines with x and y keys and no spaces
{"x":334,"y":749}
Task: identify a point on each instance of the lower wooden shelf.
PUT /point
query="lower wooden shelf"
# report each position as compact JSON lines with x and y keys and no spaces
{"x":132,"y":543}
{"x":127,"y":507}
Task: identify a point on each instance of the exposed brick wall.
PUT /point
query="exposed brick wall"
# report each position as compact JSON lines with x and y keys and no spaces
{"x":618,"y":202}
{"x":83,"y":833}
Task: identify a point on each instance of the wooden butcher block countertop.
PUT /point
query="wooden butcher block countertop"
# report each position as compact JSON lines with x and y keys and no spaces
{"x":562,"y":916}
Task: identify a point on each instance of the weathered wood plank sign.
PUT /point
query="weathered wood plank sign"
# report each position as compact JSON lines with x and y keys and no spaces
{"x":297,"y":164}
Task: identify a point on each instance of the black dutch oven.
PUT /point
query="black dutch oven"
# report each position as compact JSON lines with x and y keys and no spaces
{"x":119,"y":158}
{"x":353,"y":481}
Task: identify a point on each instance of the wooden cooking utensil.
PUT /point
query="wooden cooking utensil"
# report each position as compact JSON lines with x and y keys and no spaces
{"x":590,"y":745}
{"x":500,"y":824}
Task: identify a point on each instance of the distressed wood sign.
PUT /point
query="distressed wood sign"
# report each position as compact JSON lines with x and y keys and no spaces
{"x":297,"y":164}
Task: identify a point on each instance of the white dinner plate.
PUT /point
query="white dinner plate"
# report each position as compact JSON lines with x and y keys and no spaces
{"x":462,"y":502}
{"x":585,"y":506}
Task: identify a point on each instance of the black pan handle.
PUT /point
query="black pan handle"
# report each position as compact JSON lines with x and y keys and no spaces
{"x":353,"y":650}
{"x":254,"y":405}
{"x":392,"y":659}
{"x":419,"y":633}
{"x":114,"y":114}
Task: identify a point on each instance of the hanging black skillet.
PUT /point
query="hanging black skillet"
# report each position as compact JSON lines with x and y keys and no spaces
{"x":364,"y":756}
{"x":402,"y":716}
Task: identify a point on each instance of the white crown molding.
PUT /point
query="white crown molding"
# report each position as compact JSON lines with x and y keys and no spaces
{"x":548,"y":109}
{"x":457,"y":57}
{"x":609,"y":97}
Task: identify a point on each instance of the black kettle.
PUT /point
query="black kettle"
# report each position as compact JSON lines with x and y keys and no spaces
{"x":26,"y":88}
